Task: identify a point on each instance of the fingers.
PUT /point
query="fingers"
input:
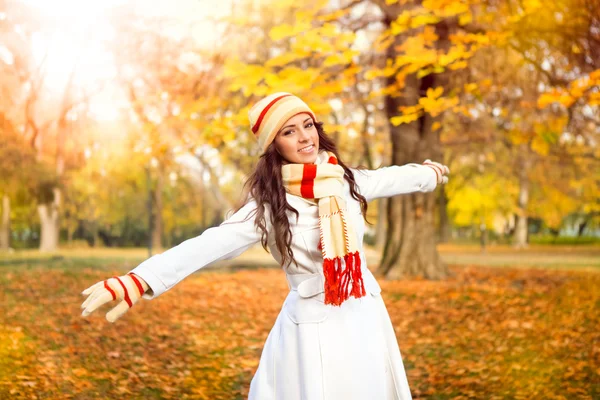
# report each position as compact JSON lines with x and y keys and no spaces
{"x":117,"y":312}
{"x":101,"y":299}
{"x":99,"y":288}
{"x":92,"y":288}
{"x":97,"y":292}
{"x":128,"y":288}
{"x":90,"y":298}
{"x":440,"y":169}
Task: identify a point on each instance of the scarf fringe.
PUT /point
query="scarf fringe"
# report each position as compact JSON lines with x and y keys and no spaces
{"x":337,"y":280}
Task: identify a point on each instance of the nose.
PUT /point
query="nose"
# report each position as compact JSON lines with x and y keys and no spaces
{"x":304,"y":135}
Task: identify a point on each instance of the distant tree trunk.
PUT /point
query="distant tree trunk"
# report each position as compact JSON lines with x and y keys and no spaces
{"x":70,"y":233}
{"x":521,"y":228}
{"x":581,"y":228}
{"x":483,"y":237}
{"x":50,"y":223}
{"x":157,"y":225}
{"x":584,"y":224}
{"x":444,"y":227}
{"x":5,"y":223}
{"x":410,"y":246}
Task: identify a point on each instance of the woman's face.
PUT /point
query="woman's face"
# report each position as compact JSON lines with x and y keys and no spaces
{"x":297,"y":133}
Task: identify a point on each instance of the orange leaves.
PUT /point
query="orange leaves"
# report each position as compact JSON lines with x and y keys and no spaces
{"x":556,"y":96}
{"x":432,"y":104}
{"x":484,"y":333}
{"x":581,"y":88}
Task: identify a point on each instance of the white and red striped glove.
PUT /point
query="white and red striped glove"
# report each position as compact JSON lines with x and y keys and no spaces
{"x":440,"y":170}
{"x":127,"y":288}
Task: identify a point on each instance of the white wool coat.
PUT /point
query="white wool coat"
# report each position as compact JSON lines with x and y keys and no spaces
{"x":314,"y":351}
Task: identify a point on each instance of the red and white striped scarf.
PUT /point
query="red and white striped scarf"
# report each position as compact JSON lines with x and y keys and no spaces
{"x":324,"y":182}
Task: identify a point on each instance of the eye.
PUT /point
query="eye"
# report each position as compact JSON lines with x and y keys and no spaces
{"x":309,"y":125}
{"x":286,"y":132}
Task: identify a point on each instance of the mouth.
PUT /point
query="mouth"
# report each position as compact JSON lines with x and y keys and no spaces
{"x":307,"y":149}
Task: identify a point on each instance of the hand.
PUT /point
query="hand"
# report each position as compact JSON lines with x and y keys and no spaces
{"x":127,"y":288}
{"x":440,"y":170}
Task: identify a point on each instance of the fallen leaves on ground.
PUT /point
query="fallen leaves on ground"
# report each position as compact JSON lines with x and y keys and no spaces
{"x":485,"y":333}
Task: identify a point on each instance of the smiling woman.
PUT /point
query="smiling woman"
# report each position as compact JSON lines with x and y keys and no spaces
{"x":298,"y":140}
{"x":308,"y":208}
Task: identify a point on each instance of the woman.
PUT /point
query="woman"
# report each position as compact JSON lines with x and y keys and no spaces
{"x":333,"y":338}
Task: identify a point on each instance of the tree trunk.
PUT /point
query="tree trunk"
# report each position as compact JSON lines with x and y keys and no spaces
{"x":5,"y":223}
{"x":50,"y":223}
{"x":521,"y":228}
{"x":410,"y":246}
{"x":95,"y":235}
{"x":444,"y":230}
{"x":70,"y":233}
{"x":483,"y":237}
{"x":157,"y":225}
{"x":381,"y":228}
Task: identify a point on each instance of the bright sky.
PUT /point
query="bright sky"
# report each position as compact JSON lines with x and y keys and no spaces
{"x":84,"y":32}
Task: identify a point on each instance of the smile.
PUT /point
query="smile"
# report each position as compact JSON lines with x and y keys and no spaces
{"x":307,"y":149}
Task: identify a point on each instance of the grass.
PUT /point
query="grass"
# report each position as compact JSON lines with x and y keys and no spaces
{"x":584,"y":257}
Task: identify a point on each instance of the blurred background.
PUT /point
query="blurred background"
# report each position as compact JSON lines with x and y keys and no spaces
{"x":124,"y":131}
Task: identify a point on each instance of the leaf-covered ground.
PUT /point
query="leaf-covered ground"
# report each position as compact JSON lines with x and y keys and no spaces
{"x":486,"y":333}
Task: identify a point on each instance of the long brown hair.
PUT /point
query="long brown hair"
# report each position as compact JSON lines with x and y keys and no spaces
{"x":265,"y":185}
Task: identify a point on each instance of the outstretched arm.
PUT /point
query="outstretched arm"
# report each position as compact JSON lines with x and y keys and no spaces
{"x":224,"y":242}
{"x":400,"y":179}
{"x":161,"y":272}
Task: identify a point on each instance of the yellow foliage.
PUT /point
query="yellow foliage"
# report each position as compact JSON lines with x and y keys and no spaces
{"x":540,"y":146}
{"x":551,"y":204}
{"x":420,"y":20}
{"x":329,"y":30}
{"x":594,"y":99}
{"x":401,"y":23}
{"x":595,"y":76}
{"x":325,"y":90}
{"x":334,"y":15}
{"x":429,"y":36}
{"x":556,"y":96}
{"x":286,"y":30}
{"x":517,"y":136}
{"x":411,"y":109}
{"x":480,"y":199}
{"x":434,"y":104}
{"x":282,"y":59}
{"x":531,"y":6}
{"x":566,"y":100}
{"x":470,"y":87}
{"x":404,"y":119}
{"x":435,"y":93}
{"x":373,"y":74}
{"x":313,"y":41}
{"x":340,"y":58}
{"x":465,"y":19}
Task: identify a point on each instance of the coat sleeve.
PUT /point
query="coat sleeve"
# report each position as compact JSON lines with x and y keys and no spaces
{"x":394,"y":180}
{"x":226,"y":241}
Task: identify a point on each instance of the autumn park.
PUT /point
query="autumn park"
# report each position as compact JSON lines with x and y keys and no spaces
{"x":124,"y":132}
